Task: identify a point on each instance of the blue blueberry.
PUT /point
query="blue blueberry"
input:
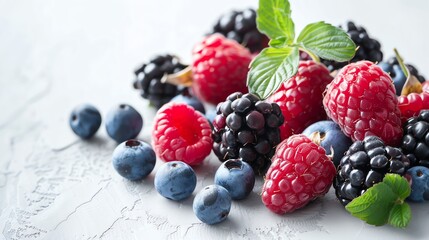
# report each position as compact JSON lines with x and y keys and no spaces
{"x":397,"y":75}
{"x":85,"y":120}
{"x":237,"y":177}
{"x":419,"y":177}
{"x":331,"y":137}
{"x":189,"y":100}
{"x":175,"y":180}
{"x":134,"y":159}
{"x":212,"y":204}
{"x":123,"y":122}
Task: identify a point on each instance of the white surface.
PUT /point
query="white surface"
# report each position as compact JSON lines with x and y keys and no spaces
{"x":56,"y":54}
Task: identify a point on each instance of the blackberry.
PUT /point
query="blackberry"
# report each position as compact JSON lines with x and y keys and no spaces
{"x":247,"y":128}
{"x":149,"y":75}
{"x":368,"y":48}
{"x":365,"y":164}
{"x":415,"y":142}
{"x":241,"y":27}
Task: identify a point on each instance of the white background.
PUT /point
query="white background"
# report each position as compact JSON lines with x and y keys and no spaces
{"x":55,"y":54}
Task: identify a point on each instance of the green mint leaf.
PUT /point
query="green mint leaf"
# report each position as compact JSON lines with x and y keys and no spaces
{"x":400,"y":215}
{"x":327,"y":42}
{"x":374,"y":205}
{"x":278,"y":42}
{"x":398,"y":184}
{"x":271,"y":68}
{"x":274,"y":19}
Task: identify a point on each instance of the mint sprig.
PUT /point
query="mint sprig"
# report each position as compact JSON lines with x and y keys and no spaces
{"x":384,"y":203}
{"x":280,"y":60}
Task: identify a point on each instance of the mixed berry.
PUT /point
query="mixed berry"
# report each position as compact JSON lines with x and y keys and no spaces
{"x":303,"y":124}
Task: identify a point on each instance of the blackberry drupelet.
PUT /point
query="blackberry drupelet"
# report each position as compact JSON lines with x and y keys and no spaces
{"x":149,"y":75}
{"x":247,"y":128}
{"x":241,"y":26}
{"x":365,"y":164}
{"x":415,"y":142}
{"x":368,"y":48}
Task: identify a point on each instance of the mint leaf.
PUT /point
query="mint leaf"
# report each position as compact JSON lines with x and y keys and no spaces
{"x":383,"y":203}
{"x":327,"y":42}
{"x":400,"y":215}
{"x":374,"y":205}
{"x":274,"y":19}
{"x":398,"y":184}
{"x":270,"y":68}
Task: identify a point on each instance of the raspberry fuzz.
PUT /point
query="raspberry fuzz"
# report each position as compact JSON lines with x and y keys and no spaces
{"x":181,"y":133}
{"x":300,"y":172}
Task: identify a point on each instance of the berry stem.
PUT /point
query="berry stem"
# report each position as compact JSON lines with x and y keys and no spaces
{"x":401,"y":63}
{"x":312,"y":55}
{"x":412,"y":85}
{"x":181,"y":78}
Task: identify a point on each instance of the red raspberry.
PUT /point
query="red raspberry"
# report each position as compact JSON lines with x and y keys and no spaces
{"x":300,"y":172}
{"x":181,"y":133}
{"x":362,"y":101}
{"x":219,"y":68}
{"x":300,"y":98}
{"x":411,"y":104}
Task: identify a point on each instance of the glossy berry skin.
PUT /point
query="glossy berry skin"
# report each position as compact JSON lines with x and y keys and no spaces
{"x":123,"y":122}
{"x":181,"y":133}
{"x":330,"y":136}
{"x":415,"y":142}
{"x":190,"y":100}
{"x":219,"y":68}
{"x":149,"y":75}
{"x":175,"y":180}
{"x":419,"y":179}
{"x":364,"y":164}
{"x":300,"y":98}
{"x":300,"y":172}
{"x":247,"y":128}
{"x":367,"y":48}
{"x":392,"y":67}
{"x":411,"y":104}
{"x":241,"y":27}
{"x":85,"y":120}
{"x":212,"y":204}
{"x":362,"y":101}
{"x":237,"y":177}
{"x":134,"y":159}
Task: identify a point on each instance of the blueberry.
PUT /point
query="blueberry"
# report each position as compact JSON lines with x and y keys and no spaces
{"x":331,"y":137}
{"x":419,"y":178}
{"x":191,"y":101}
{"x":123,"y":122}
{"x":134,"y":159}
{"x":175,"y":180}
{"x":85,"y":120}
{"x":237,"y":177}
{"x":212,"y":204}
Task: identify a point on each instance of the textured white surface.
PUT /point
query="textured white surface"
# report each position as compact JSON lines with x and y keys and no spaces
{"x":55,"y":54}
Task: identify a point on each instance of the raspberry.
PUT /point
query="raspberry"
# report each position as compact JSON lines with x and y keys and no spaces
{"x":241,"y":27}
{"x":411,"y":104}
{"x":362,"y":101}
{"x":368,"y":48}
{"x":300,"y":172}
{"x":219,"y":68}
{"x":415,"y":142}
{"x":247,"y":128}
{"x":181,"y":133}
{"x":365,"y":164}
{"x":149,"y":75}
{"x":300,"y":98}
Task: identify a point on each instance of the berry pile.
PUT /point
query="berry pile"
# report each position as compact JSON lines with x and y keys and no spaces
{"x":247,"y":128}
{"x":149,"y":75}
{"x":368,"y":48}
{"x":365,"y":164}
{"x":241,"y":27}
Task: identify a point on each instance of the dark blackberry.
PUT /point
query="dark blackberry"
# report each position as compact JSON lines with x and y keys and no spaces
{"x":247,"y":128}
{"x":368,"y":48}
{"x":149,"y":75}
{"x":241,"y":26}
{"x":365,"y":164}
{"x":415,"y":142}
